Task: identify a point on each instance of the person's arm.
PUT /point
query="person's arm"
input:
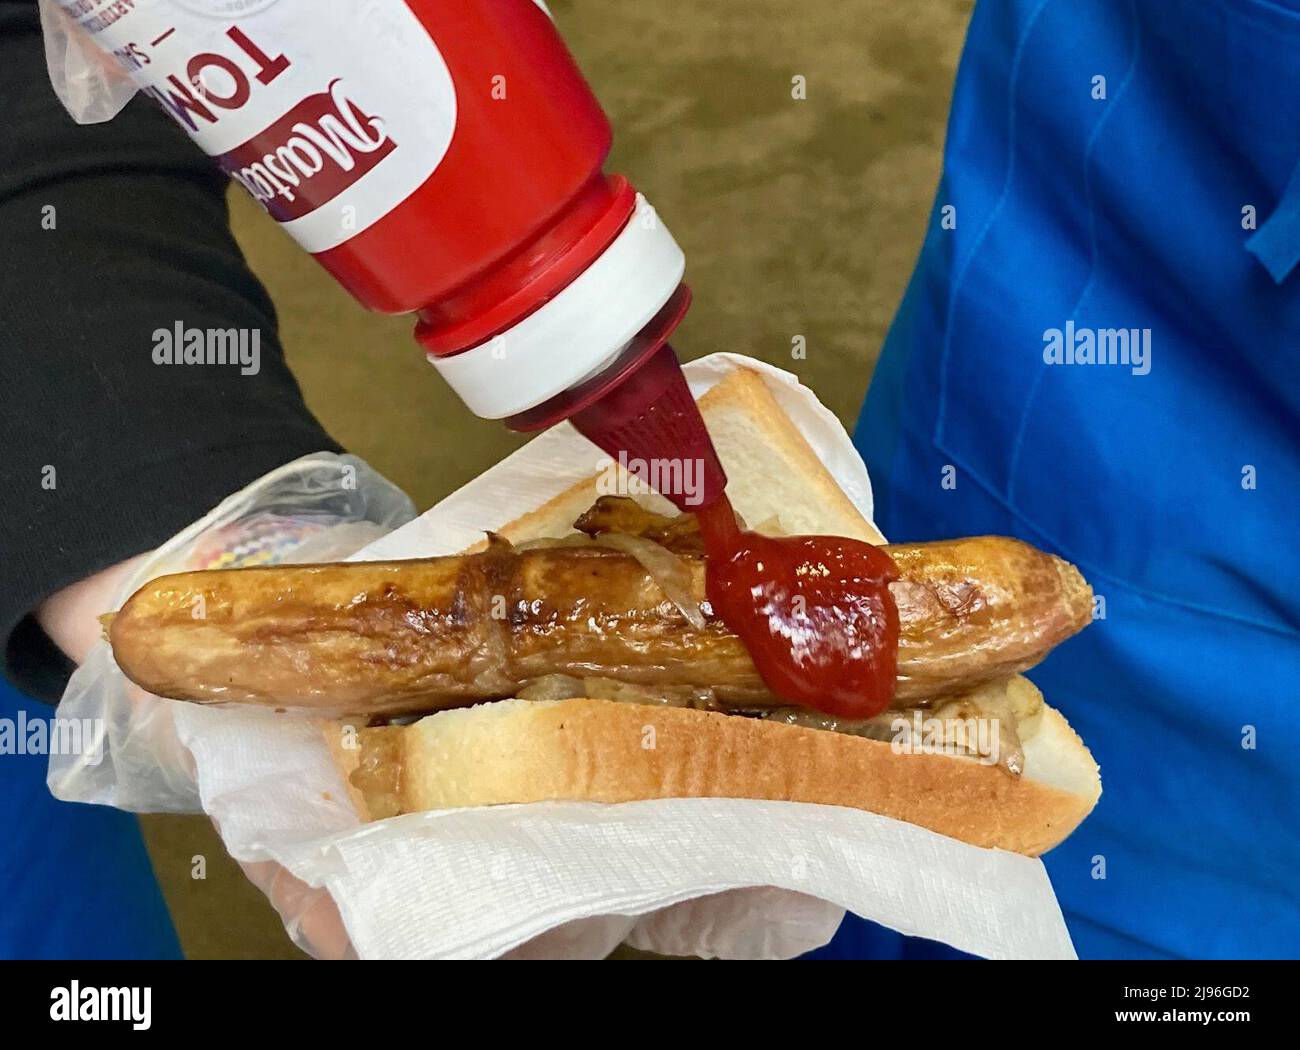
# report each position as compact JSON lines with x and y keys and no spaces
{"x":108,"y":234}
{"x":70,"y":617}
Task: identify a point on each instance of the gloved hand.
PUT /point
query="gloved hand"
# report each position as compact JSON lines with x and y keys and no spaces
{"x":310,"y":916}
{"x":319,"y":508}
{"x":322,"y":507}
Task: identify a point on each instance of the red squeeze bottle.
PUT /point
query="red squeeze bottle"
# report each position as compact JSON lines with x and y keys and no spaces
{"x":444,"y":159}
{"x":447,"y":159}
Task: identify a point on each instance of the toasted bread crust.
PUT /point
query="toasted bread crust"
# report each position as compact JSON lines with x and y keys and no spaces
{"x":344,"y":747}
{"x":596,"y":750}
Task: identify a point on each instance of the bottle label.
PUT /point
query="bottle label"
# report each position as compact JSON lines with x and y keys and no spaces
{"x":329,"y":113}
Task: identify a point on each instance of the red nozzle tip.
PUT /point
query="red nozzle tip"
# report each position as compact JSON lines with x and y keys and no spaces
{"x":640,"y":411}
{"x":652,"y":425}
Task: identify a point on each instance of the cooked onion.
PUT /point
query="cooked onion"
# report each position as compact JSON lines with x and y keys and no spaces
{"x":595,"y":687}
{"x":665,"y":568}
{"x":576,"y":539}
{"x":552,"y":687}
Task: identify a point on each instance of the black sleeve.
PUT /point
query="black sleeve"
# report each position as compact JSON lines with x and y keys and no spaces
{"x":109,"y":233}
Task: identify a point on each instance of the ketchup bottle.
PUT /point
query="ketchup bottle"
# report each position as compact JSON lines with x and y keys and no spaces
{"x":443,"y":159}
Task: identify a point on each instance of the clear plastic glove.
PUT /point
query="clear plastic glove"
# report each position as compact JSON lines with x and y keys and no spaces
{"x":89,"y":83}
{"x":310,"y":916}
{"x":322,"y":507}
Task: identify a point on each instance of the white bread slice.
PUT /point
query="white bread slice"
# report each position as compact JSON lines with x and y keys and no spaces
{"x":517,"y":751}
{"x":602,"y":751}
{"x":772,"y":473}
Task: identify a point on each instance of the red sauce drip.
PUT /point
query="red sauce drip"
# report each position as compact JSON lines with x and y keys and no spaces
{"x":814,"y":612}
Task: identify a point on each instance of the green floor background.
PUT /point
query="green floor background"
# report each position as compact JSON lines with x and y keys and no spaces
{"x":798,"y":217}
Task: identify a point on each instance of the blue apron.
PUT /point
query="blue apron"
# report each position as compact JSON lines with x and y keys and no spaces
{"x":75,"y":880}
{"x":1163,"y":200}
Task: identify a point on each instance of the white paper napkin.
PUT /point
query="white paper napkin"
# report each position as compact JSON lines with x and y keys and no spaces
{"x":733,"y":878}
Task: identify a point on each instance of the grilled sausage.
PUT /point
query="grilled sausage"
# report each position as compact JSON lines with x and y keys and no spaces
{"x":393,"y":638}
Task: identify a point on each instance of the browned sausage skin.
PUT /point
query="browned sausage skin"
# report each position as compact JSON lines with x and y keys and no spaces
{"x":404,"y":637}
